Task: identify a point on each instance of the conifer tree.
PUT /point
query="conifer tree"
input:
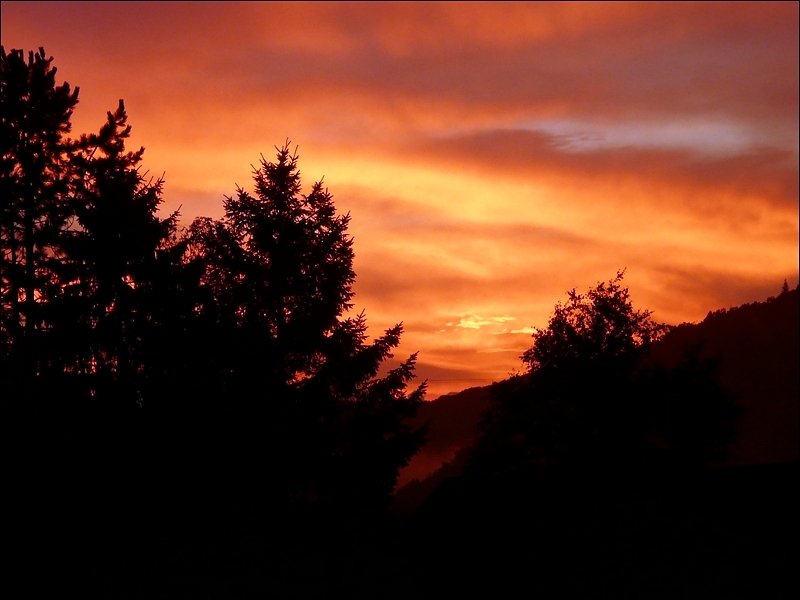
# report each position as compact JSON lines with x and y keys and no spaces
{"x":34,"y":182}
{"x":278,"y":269}
{"x":115,"y":262}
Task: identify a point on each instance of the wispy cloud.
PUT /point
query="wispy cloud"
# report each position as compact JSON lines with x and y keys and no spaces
{"x":477,"y":322}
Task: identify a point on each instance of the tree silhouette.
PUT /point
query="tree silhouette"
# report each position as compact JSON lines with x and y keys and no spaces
{"x":204,"y":387}
{"x":33,"y":184}
{"x":277,"y":273}
{"x":593,"y":397}
{"x":601,"y":325}
{"x":279,"y":266}
{"x":117,"y":262}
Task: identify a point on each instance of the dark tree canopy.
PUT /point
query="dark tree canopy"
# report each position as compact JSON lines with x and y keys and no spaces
{"x":214,"y":373}
{"x":279,"y":265}
{"x":277,"y":273}
{"x":116,"y":260}
{"x":34,"y":182}
{"x":592,"y":397}
{"x":600,"y":325}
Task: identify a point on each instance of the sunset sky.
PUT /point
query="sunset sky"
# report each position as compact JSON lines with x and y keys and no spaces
{"x":491,"y":155}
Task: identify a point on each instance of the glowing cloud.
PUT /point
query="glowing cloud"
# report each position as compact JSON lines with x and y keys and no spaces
{"x":476,"y":321}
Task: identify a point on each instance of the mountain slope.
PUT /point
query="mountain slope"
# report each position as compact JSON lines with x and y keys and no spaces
{"x":452,"y":422}
{"x":756,"y":347}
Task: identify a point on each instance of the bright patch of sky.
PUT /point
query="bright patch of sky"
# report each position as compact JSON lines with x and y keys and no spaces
{"x":712,"y":137}
{"x":471,"y":321}
{"x":522,"y":330}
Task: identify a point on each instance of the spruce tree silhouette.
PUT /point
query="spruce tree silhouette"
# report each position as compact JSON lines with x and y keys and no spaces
{"x":33,"y":184}
{"x":306,"y":423}
{"x":280,"y":267}
{"x":115,"y":256}
{"x":301,"y":382}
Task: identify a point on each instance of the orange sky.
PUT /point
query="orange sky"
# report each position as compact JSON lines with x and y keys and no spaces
{"x":492,"y":155}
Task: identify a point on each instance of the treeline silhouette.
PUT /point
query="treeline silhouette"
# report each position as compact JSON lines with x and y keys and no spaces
{"x":594,"y":398}
{"x":190,"y":412}
{"x":195,"y":391}
{"x":617,"y":470}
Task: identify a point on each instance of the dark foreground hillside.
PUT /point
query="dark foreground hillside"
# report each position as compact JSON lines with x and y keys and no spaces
{"x":757,"y":348}
{"x":92,"y":514}
{"x":663,"y":531}
{"x":724,"y":533}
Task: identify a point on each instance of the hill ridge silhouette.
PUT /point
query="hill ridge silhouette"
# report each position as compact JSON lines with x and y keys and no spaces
{"x":756,"y":345}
